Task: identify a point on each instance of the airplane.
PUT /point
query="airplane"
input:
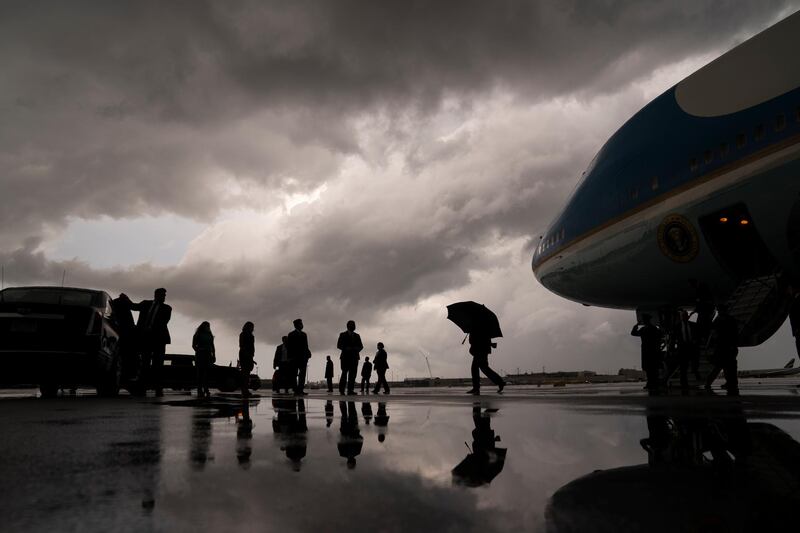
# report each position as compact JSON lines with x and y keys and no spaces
{"x":701,"y":186}
{"x":788,"y":370}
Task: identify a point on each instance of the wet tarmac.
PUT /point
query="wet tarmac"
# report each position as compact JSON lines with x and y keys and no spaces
{"x":585,"y":458}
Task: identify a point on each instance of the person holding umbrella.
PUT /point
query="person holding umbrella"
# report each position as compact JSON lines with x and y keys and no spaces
{"x":480,"y":346}
{"x":482,"y":326}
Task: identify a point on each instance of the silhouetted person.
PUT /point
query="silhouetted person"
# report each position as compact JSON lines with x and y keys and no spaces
{"x":366,"y":412}
{"x":201,"y":440}
{"x":297,"y":447}
{"x":726,"y":348}
{"x":794,"y":316}
{"x":350,"y":344}
{"x":247,"y":354}
{"x":381,"y":365}
{"x":329,"y":372}
{"x":683,"y":348}
{"x":366,"y":374}
{"x":154,"y":336}
{"x":284,"y":368}
{"x":704,"y":307}
{"x":328,"y":413}
{"x":480,"y":346}
{"x":299,"y":354}
{"x":204,"y":356}
{"x":486,"y":460}
{"x":122,"y":316}
{"x":350,"y":440}
{"x":382,"y":421}
{"x":651,"y":350}
{"x":697,"y":441}
{"x":658,"y":442}
{"x":291,"y":428}
{"x":244,"y":434}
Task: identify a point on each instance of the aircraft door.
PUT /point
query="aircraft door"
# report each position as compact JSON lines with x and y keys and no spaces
{"x":733,"y":238}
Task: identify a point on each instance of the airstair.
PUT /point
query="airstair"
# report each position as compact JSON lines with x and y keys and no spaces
{"x":760,"y":305}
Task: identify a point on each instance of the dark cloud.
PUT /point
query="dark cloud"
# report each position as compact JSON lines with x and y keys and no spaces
{"x":142,"y":98}
{"x":435,"y":134}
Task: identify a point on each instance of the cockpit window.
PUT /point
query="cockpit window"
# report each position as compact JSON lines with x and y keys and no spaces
{"x":47,"y":296}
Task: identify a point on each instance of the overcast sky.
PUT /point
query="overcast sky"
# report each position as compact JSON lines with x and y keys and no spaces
{"x":360,"y":160}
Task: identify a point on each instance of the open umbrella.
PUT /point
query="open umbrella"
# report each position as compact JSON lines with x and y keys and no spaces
{"x":479,"y":468}
{"x":473,"y":317}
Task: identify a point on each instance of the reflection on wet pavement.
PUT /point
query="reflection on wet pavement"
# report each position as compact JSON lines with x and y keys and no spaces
{"x":298,"y":464}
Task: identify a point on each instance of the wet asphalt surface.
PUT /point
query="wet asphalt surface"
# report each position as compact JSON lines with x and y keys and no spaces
{"x":584,"y":458}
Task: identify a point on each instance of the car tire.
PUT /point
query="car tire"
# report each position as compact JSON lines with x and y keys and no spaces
{"x":48,"y":390}
{"x":109,"y":381}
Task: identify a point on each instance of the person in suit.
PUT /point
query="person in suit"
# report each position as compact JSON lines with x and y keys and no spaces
{"x":652,"y":356}
{"x":794,"y":316}
{"x":726,"y":348}
{"x":328,"y":413}
{"x":151,"y":326}
{"x":366,"y":373}
{"x":683,"y":348}
{"x":299,"y":354}
{"x":350,"y":344}
{"x":329,"y":372}
{"x":350,"y":439}
{"x":382,"y":421}
{"x":480,"y":346}
{"x":381,"y":365}
{"x":204,"y":356}
{"x":247,"y":354}
{"x":366,"y":412}
{"x":291,"y":428}
{"x":704,"y":308}
{"x":284,"y":369}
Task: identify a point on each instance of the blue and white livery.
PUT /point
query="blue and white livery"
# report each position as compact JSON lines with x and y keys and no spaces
{"x":701,"y":184}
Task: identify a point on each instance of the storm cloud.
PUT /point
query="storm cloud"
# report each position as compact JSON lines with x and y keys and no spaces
{"x":351,"y":159}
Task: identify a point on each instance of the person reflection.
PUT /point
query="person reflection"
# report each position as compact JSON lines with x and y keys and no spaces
{"x":485,"y":460}
{"x":697,"y":441}
{"x":201,"y":440}
{"x":350,"y":439}
{"x":291,"y":429}
{"x":708,"y":470}
{"x":244,"y":436}
{"x":382,"y":421}
{"x":366,"y":412}
{"x":328,"y":413}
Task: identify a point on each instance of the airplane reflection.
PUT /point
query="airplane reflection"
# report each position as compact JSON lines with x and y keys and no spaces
{"x":708,"y":472}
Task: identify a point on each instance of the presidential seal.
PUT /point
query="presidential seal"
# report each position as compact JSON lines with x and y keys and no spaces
{"x":677,"y":239}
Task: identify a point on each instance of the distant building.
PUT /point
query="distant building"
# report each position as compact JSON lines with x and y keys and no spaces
{"x":421,"y":382}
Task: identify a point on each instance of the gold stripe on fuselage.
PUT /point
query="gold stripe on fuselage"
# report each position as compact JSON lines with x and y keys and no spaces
{"x":700,"y":180}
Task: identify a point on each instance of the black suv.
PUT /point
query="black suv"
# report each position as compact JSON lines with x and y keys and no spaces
{"x":58,"y":336}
